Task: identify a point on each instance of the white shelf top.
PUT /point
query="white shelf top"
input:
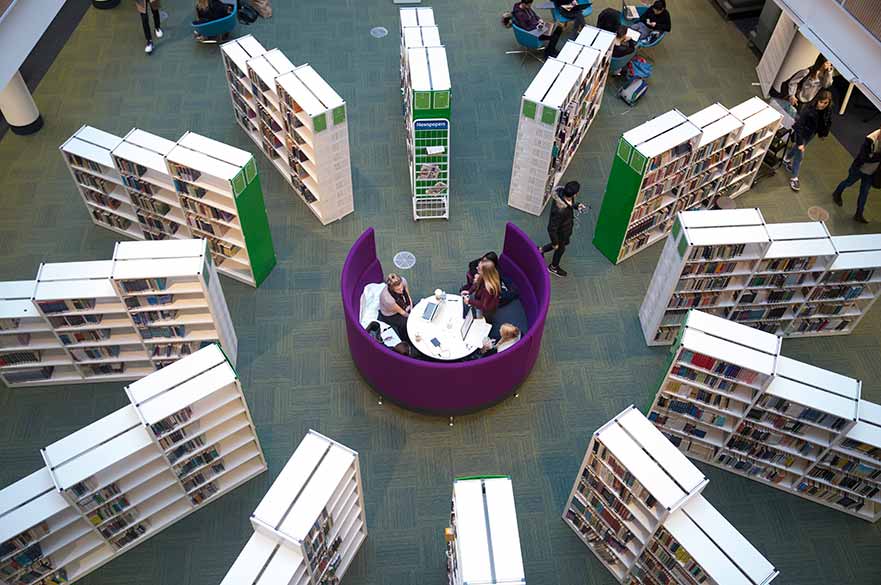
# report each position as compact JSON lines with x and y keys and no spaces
{"x":238,"y":55}
{"x":646,"y":471}
{"x":93,"y":435}
{"x":421,"y":36}
{"x":98,"y":137}
{"x":142,"y":156}
{"x":558,"y":93}
{"x":732,"y":353}
{"x":75,"y":270}
{"x":102,"y":457}
{"x":174,"y":374}
{"x":149,"y":141}
{"x":730,"y":540}
{"x":749,"y":108}
{"x":472,"y":539}
{"x":507,"y":557}
{"x":417,"y":17}
{"x":818,"y":377}
{"x":98,"y":154}
{"x":264,"y":70}
{"x":279,"y":61}
{"x":721,"y":218}
{"x":314,"y":496}
{"x":224,"y":152}
{"x":596,"y":38}
{"x":17,"y":289}
{"x":654,"y":127}
{"x":137,"y":269}
{"x":275,"y":505}
{"x":662,"y":451}
{"x":543,"y":80}
{"x":17,"y":309}
{"x":74,"y":289}
{"x":797,"y":230}
{"x":719,"y":129}
{"x":437,"y":66}
{"x":159,"y":249}
{"x":281,"y":567}
{"x":204,"y":384}
{"x":319,"y":87}
{"x":23,"y":491}
{"x":707,"y":554}
{"x":866,"y":430}
{"x":852,"y":260}
{"x":668,"y":140}
{"x":705,"y":117}
{"x":39,"y":506}
{"x":300,"y":93}
{"x":760,"y":120}
{"x":203,"y":163}
{"x":251,"y":45}
{"x":800,"y":248}
{"x":726,"y":235}
{"x":857,"y":243}
{"x":812,"y":397}
{"x":251,"y":561}
{"x":580,"y":56}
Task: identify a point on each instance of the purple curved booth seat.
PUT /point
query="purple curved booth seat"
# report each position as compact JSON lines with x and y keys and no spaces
{"x":448,"y":388}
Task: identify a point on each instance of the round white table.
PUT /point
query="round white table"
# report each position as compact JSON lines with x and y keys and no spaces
{"x":446,"y":329}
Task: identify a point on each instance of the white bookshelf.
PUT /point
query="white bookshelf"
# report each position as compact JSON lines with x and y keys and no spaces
{"x":149,"y":188}
{"x":113,"y":484}
{"x":236,"y":54}
{"x":262,"y":71}
{"x":556,"y":112}
{"x":790,"y":279}
{"x":310,"y":524}
{"x":84,"y":322}
{"x":426,"y":90}
{"x":730,"y":399}
{"x":720,"y":131}
{"x":638,"y":507}
{"x":760,"y":123}
{"x":483,"y":542}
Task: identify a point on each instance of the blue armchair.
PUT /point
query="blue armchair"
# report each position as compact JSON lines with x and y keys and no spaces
{"x":216,"y":30}
{"x":531,"y":44}
{"x":558,"y":17}
{"x":644,"y":42}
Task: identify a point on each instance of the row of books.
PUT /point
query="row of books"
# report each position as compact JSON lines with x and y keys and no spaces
{"x":107,"y":511}
{"x":147,"y":300}
{"x":170,"y":422}
{"x":166,"y":350}
{"x":75,"y":337}
{"x":143,"y":284}
{"x":678,"y":552}
{"x":201,"y":477}
{"x":704,"y":284}
{"x":200,"y":460}
{"x":680,"y":301}
{"x":775,"y":439}
{"x":826,"y":309}
{"x":800,"y":412}
{"x":859,"y":275}
{"x":106,"y":369}
{"x":192,"y":445}
{"x":23,"y":539}
{"x":207,"y":210}
{"x":93,"y":182}
{"x":667,"y":156}
{"x":852,"y":466}
{"x":102,"y":199}
{"x":144,"y":318}
{"x":781,"y":280}
{"x":135,"y":186}
{"x":770,"y":297}
{"x":714,"y":252}
{"x":163,"y":226}
{"x":855,"y":484}
{"x":118,"y":523}
{"x":622,"y":475}
{"x":687,"y":408}
{"x":815,"y":325}
{"x":221,"y":247}
{"x":778,"y":422}
{"x":87,"y":500}
{"x":788,"y":264}
{"x":870,"y":450}
{"x":598,"y":542}
{"x":20,"y":560}
{"x":112,"y":219}
{"x":150,"y":204}
{"x":837,"y":292}
{"x":75,"y":320}
{"x":19,"y":357}
{"x":131,"y":534}
{"x":830,"y":494}
{"x":188,"y":189}
{"x":711,"y":398}
{"x":83,"y":162}
{"x":719,"y":367}
{"x":610,"y":499}
{"x":29,"y":375}
{"x":599,"y":508}
{"x":61,"y":306}
{"x":606,"y":534}
{"x":758,"y":314}
{"x":95,"y":353}
{"x":10,"y":323}
{"x":17,"y":340}
{"x":128,"y":167}
{"x":204,"y":492}
{"x":166,"y":331}
{"x":750,"y":467}
{"x":183,"y":172}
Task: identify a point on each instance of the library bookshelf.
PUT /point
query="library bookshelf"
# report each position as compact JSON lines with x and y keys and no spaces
{"x":148,"y":188}
{"x":728,"y":398}
{"x":638,"y":507}
{"x":121,"y":319}
{"x":426,"y":89}
{"x":310,"y":524}
{"x":297,"y":119}
{"x":186,"y":439}
{"x":790,"y":279}
{"x":675,"y":162}
{"x":483,"y":542}
{"x":556,"y":112}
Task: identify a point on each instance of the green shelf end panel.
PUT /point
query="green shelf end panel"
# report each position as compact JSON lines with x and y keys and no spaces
{"x":429,"y":105}
{"x":255,"y":228}
{"x":621,"y":192}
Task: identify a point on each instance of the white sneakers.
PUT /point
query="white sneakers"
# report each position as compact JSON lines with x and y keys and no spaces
{"x":158,"y":32}
{"x":149,"y":48}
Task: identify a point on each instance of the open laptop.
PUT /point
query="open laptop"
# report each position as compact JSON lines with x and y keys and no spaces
{"x":466,"y":325}
{"x":430,"y":311}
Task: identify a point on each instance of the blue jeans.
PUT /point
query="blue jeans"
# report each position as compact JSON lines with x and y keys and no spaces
{"x":796,"y":156}
{"x":853,"y":176}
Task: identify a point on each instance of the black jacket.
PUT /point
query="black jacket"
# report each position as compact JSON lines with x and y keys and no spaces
{"x":865,"y":155}
{"x":562,"y":219}
{"x":812,"y":121}
{"x":569,"y":13}
{"x":609,"y":19}
{"x":662,"y":20}
{"x":216,"y":10}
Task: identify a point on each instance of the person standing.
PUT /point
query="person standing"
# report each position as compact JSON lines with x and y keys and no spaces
{"x":866,"y":168}
{"x":815,"y":119}
{"x":561,"y":223}
{"x":804,"y":85}
{"x":141,"y":5}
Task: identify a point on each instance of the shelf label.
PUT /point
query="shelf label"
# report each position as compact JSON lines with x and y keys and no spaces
{"x":238,"y":182}
{"x":548,"y":115}
{"x":637,"y":161}
{"x":624,"y":150}
{"x":683,"y":245}
{"x":339,"y":115}
{"x":250,"y":170}
{"x":431,"y":124}
{"x":529,"y":109}
{"x":421,"y":100}
{"x":441,"y":100}
{"x":319,"y":122}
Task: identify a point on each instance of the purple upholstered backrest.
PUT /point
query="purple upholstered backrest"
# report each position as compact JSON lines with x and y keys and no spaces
{"x":447,"y":388}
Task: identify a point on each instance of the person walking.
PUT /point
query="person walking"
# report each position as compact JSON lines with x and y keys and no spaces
{"x":141,"y":5}
{"x":866,"y":168}
{"x":561,"y":223}
{"x":815,"y":119}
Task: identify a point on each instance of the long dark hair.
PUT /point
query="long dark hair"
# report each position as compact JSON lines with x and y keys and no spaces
{"x":817,"y":66}
{"x":823,"y":94}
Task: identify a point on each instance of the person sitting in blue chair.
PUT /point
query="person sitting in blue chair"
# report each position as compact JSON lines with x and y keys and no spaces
{"x":653,"y":22}
{"x":524,"y":17}
{"x":209,"y":11}
{"x":573,"y":10}
{"x":623,"y":46}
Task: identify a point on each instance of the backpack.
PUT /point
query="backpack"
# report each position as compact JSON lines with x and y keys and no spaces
{"x":633,"y":91}
{"x":247,"y":14}
{"x":639,"y":67}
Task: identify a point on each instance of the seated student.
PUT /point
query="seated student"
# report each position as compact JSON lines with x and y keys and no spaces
{"x":573,"y":10}
{"x":208,"y":10}
{"x":654,"y":21}
{"x":525,"y":17}
{"x":395,"y":304}
{"x":623,"y":45}
{"x":510,"y":335}
{"x":483,"y":294}
{"x":609,"y":19}
{"x":508,"y":293}
{"x":385,"y":334}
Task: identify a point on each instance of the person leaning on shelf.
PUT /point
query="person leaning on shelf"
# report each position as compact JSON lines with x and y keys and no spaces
{"x":815,"y":119}
{"x":525,"y":17}
{"x":623,"y":45}
{"x":561,"y":223}
{"x":654,"y":21}
{"x":866,"y":168}
{"x":141,"y":5}
{"x":395,"y":304}
{"x":485,"y":290}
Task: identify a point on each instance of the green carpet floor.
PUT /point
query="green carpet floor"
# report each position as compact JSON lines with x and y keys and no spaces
{"x":293,"y":357}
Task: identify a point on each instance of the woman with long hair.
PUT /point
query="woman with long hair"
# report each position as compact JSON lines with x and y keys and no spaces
{"x":805,"y":84}
{"x":815,"y":119}
{"x":485,"y":290}
{"x":209,"y":10}
{"x":395,"y":304}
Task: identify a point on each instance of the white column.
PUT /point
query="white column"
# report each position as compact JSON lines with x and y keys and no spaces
{"x":18,"y":107}
{"x":801,"y":55}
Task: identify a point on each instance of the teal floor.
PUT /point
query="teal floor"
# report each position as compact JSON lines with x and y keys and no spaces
{"x":293,"y":357}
